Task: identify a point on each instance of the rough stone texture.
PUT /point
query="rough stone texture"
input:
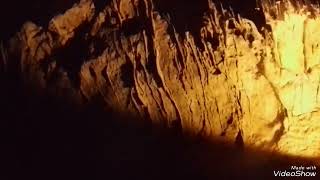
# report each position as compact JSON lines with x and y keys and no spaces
{"x":231,"y":81}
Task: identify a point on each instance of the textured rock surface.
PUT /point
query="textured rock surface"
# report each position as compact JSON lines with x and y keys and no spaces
{"x":229,"y":81}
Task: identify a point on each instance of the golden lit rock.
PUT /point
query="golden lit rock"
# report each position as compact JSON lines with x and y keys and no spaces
{"x":232,"y":80}
{"x":296,"y":58}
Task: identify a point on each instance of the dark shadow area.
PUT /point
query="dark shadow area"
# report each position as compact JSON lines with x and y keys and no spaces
{"x":14,"y":13}
{"x":133,"y":26}
{"x":187,"y":15}
{"x":246,"y":9}
{"x":100,"y":4}
{"x":71,"y":56}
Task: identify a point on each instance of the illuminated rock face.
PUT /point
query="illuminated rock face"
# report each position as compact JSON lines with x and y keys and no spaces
{"x":294,"y":73}
{"x":228,"y":81}
{"x":297,"y":55}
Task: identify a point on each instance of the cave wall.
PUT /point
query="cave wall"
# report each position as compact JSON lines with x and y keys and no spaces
{"x":218,"y":76}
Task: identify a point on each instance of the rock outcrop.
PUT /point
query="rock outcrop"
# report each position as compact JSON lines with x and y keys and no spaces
{"x":228,"y":80}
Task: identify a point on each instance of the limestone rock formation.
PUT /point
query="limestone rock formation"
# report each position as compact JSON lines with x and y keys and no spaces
{"x":229,"y":81}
